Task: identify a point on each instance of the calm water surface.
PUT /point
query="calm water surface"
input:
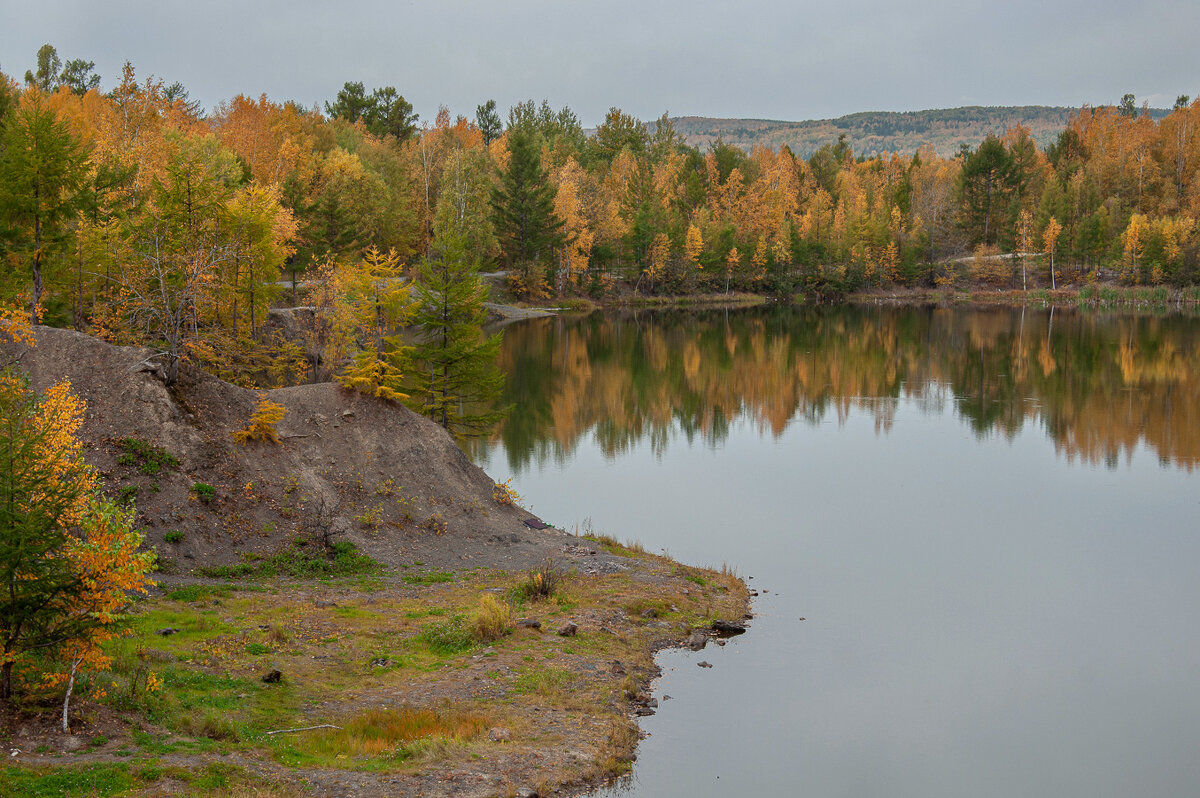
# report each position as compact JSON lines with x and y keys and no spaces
{"x":988,"y":520}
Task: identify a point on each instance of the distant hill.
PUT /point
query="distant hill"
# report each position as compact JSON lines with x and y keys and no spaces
{"x":873,"y":132}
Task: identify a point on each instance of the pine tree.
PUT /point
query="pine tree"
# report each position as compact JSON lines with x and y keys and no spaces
{"x":458,"y":376}
{"x":523,"y":211}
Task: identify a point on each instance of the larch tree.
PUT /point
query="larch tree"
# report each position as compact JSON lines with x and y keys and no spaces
{"x":1050,"y":245}
{"x":377,"y":300}
{"x":457,"y":377}
{"x":42,"y":167}
{"x":170,"y":287}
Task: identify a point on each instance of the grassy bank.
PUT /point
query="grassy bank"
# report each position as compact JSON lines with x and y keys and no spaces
{"x":416,"y":681}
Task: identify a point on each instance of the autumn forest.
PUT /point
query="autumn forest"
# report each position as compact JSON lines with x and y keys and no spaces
{"x":130,"y":213}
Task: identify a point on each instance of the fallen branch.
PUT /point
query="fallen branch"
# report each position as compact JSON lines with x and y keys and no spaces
{"x":306,"y":728}
{"x":310,"y":435}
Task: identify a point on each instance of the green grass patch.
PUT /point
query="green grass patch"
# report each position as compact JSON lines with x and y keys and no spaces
{"x":543,"y":681}
{"x":431,"y":578}
{"x":204,"y":492}
{"x":66,"y":782}
{"x":342,"y":559}
{"x":149,"y":459}
{"x":199,"y":592}
{"x":451,"y":636}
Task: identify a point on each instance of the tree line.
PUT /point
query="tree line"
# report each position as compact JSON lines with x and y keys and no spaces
{"x":130,"y":213}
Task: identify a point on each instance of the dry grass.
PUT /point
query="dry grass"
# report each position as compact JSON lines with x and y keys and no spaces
{"x":542,"y":582}
{"x":493,"y":619}
{"x":396,"y":733}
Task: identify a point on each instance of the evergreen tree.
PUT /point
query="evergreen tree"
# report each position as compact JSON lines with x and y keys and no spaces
{"x":523,"y":212}
{"x":41,"y":170}
{"x":458,"y":378}
{"x":985,"y":184}
{"x":489,"y":122}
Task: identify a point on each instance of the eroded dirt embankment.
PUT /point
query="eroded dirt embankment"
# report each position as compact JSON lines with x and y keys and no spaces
{"x":549,"y":701}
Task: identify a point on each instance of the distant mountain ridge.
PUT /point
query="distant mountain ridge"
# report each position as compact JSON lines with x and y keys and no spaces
{"x":873,"y":132}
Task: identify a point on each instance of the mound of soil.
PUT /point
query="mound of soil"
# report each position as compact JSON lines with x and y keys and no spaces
{"x":348,"y":467}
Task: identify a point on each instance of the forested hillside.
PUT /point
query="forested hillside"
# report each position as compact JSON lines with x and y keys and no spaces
{"x":876,"y":132}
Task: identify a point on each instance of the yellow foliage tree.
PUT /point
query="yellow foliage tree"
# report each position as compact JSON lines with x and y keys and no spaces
{"x":377,"y":300}
{"x":1050,"y":245}
{"x":68,"y":555}
{"x":262,"y":422}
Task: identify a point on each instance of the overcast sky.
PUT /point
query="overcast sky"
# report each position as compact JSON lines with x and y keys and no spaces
{"x":764,"y":58}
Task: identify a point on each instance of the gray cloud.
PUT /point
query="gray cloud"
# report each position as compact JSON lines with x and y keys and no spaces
{"x":770,"y":59}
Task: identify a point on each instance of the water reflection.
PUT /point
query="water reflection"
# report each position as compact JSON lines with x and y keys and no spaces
{"x":1099,"y":384}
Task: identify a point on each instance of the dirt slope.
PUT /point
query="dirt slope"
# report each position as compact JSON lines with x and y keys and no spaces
{"x":349,"y":466}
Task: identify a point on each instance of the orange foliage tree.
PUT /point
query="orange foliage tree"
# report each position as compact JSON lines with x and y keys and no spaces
{"x":68,"y":556}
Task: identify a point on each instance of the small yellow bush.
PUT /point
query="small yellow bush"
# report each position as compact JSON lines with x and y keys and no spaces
{"x":262,"y":423}
{"x":493,"y":619}
{"x":504,"y":495}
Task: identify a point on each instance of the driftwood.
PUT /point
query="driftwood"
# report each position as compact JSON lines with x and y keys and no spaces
{"x":306,"y":728}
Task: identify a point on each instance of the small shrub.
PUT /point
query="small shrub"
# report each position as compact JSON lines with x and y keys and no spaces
{"x":493,"y":618}
{"x":149,"y":458}
{"x":212,"y":725}
{"x":277,"y":634}
{"x":262,"y":422}
{"x":504,"y":495}
{"x":435,"y":524}
{"x":542,"y":582}
{"x":370,"y":517}
{"x":204,"y":492}
{"x":256,"y":649}
{"x":450,"y":636}
{"x":127,"y":495}
{"x":174,"y":536}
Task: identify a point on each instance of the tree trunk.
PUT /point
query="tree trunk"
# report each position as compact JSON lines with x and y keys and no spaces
{"x":67,"y":698}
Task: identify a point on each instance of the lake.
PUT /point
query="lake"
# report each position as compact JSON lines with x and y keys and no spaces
{"x":975,"y":532}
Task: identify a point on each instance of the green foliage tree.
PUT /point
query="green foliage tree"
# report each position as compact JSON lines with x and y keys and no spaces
{"x":619,"y":132}
{"x":385,"y":112}
{"x":458,"y":381}
{"x":49,"y":68}
{"x":79,"y":76}
{"x":523,"y":213}
{"x":389,"y":114}
{"x":351,"y":102}
{"x":984,"y":186}
{"x":457,"y":377}
{"x":41,"y":170}
{"x":489,"y":122}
